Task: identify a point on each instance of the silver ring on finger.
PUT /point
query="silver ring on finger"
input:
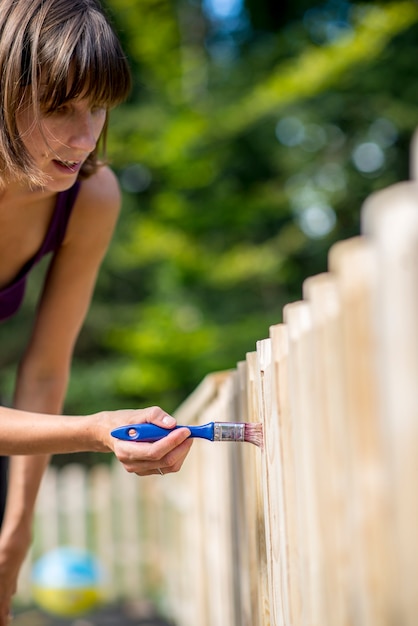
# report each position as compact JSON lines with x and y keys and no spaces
{"x":160,"y":471}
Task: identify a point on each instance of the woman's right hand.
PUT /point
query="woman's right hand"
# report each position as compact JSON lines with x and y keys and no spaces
{"x":164,"y":456}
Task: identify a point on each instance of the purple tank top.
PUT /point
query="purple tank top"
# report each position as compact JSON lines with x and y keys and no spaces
{"x":11,"y":296}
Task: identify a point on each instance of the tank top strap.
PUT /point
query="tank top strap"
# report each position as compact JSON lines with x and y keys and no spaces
{"x":58,"y":225}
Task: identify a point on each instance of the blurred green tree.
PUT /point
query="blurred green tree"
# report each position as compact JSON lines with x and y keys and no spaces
{"x":252,"y":137}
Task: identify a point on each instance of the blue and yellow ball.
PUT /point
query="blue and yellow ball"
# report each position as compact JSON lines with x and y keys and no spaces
{"x":68,"y":582}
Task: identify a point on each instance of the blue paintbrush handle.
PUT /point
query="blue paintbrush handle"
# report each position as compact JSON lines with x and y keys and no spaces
{"x":150,"y":433}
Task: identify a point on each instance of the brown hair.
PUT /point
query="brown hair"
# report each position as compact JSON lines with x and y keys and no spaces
{"x":71,"y":44}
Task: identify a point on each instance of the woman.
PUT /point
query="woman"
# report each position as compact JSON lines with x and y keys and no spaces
{"x":61,"y":70}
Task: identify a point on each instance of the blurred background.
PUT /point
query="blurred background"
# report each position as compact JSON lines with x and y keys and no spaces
{"x":255,"y":130}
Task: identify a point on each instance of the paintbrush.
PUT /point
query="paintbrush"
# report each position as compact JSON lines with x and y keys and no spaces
{"x":214,"y":431}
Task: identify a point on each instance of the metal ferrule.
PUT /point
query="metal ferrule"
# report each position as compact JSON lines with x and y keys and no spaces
{"x":228,"y":432}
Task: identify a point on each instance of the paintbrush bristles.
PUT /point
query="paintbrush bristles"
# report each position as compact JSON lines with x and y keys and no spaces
{"x":236,"y":431}
{"x":254,"y":434}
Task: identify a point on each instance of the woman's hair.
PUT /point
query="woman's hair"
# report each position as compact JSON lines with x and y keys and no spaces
{"x":70,"y":46}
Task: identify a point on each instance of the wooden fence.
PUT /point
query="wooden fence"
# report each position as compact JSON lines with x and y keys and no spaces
{"x":320,"y":528}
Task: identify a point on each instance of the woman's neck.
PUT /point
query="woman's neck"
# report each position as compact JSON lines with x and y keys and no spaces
{"x":16,"y":193}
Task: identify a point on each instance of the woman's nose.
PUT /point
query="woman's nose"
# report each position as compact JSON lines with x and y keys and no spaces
{"x":84,"y":133}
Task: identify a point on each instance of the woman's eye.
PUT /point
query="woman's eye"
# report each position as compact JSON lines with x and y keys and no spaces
{"x":68,"y":108}
{"x":61,"y":110}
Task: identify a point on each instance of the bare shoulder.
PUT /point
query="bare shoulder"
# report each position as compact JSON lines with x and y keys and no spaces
{"x":97,"y":206}
{"x":101,"y":190}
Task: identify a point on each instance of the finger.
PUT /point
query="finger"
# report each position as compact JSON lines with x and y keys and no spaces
{"x":174,"y":460}
{"x":157,"y":450}
{"x":141,"y":457}
{"x":150,"y":415}
{"x":163,"y":447}
{"x":153,"y":415}
{"x":160,"y":418}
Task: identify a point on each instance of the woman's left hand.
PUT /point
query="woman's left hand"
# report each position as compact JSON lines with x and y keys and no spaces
{"x":12,"y":554}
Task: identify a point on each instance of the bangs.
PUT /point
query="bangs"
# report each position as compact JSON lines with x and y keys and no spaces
{"x":89,"y":64}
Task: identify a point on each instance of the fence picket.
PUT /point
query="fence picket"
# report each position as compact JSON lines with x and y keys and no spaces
{"x":298,"y":318}
{"x":249,"y":527}
{"x":101,"y":505}
{"x":390,"y":218}
{"x":73,"y":506}
{"x":261,"y":599}
{"x":329,"y":406}
{"x":273,"y":503}
{"x":287,"y":488}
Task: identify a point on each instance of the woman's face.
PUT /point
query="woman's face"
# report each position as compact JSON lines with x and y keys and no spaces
{"x":60,"y":142}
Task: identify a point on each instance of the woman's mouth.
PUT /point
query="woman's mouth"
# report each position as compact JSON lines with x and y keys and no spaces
{"x":69,"y":167}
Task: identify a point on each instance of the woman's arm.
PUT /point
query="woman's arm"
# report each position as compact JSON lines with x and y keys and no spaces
{"x":25,"y":433}
{"x":43,"y":373}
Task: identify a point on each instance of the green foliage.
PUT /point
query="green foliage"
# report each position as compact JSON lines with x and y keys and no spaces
{"x":316,"y":69}
{"x":239,"y":172}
